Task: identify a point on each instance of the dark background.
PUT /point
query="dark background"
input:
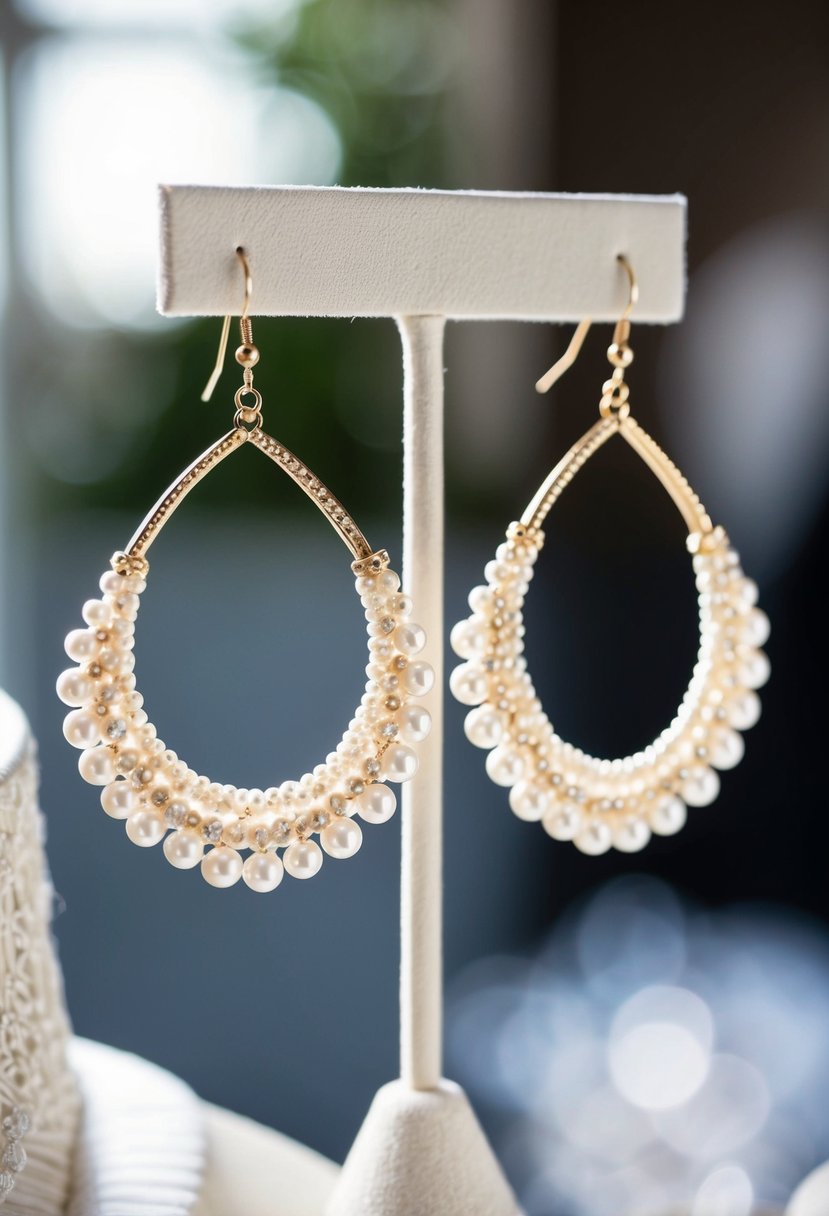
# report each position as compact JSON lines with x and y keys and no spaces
{"x":284,"y":1008}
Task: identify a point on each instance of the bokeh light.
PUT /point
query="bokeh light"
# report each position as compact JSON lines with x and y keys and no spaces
{"x":651,"y":1072}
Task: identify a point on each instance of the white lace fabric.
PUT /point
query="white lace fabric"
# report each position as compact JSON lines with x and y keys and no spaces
{"x":39,"y":1102}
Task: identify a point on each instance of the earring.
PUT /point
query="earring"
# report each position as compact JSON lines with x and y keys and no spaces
{"x":147,"y":785}
{"x":600,"y":803}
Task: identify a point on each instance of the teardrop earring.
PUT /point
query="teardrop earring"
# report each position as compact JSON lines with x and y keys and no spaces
{"x":600,"y":803}
{"x":146,"y":784}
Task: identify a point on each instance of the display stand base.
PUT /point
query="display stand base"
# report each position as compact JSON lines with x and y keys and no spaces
{"x":419,"y":1152}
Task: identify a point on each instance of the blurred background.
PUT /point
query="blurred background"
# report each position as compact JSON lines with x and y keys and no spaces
{"x":573,"y":981}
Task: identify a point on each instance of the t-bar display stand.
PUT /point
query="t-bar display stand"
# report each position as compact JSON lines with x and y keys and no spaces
{"x":421,"y":257}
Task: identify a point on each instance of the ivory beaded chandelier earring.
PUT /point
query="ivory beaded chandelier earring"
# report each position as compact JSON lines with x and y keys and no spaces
{"x":146,"y":784}
{"x":598,"y":803}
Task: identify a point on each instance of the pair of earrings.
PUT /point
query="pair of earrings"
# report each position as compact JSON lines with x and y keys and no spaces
{"x":595,"y":803}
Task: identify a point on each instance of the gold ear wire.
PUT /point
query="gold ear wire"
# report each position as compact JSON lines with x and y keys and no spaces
{"x":244,"y":327}
{"x":620,"y":334}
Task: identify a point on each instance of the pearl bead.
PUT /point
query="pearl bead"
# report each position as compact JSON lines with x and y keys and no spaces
{"x":418,"y":678}
{"x":469,"y":638}
{"x":667,"y":815}
{"x":184,"y":849}
{"x":754,"y":669}
{"x":263,"y":871}
{"x":73,"y":687}
{"x":630,"y":835}
{"x":484,"y":727}
{"x":145,"y":828}
{"x":504,"y":766}
{"x":302,"y":859}
{"x":118,"y":800}
{"x":468,"y":684}
{"x":81,"y":644}
{"x":111,"y":583}
{"x":528,"y":802}
{"x":743,"y":710}
{"x":414,"y":722}
{"x":755,"y":628}
{"x":747,"y":592}
{"x":594,"y":838}
{"x":479,"y":599}
{"x":725,"y":748}
{"x":562,"y":821}
{"x":96,"y":765}
{"x":81,"y":729}
{"x":376,"y":804}
{"x":399,"y":763}
{"x":342,"y":838}
{"x":95,"y":612}
{"x":221,"y":867}
{"x":700,"y":787}
{"x":389,"y":581}
{"x":409,"y":638}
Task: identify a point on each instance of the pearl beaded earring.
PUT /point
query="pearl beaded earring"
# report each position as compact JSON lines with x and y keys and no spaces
{"x":602,"y":803}
{"x":147,"y":785}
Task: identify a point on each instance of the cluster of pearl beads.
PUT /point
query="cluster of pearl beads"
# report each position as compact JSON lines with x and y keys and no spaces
{"x":148,"y":786}
{"x":596,"y":803}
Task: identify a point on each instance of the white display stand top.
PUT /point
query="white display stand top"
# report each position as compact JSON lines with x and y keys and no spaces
{"x":329,"y":251}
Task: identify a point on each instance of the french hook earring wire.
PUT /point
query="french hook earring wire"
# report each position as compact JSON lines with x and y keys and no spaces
{"x":247,"y":354}
{"x":619,"y":348}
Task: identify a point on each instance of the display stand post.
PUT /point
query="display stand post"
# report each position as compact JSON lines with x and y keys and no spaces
{"x":421,"y":257}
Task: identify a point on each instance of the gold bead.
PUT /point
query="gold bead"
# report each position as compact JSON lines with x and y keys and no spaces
{"x":247,"y":356}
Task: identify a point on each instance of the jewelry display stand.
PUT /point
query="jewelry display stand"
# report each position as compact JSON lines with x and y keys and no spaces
{"x":421,"y":257}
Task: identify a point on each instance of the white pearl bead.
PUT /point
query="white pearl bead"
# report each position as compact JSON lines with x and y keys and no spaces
{"x":470,"y":638}
{"x":118,"y":800}
{"x":73,"y":687}
{"x":484,"y":726}
{"x":479,"y":599}
{"x":594,"y":838}
{"x":96,"y":766}
{"x":418,"y":678}
{"x":184,"y":849}
{"x":302,"y":859}
{"x":95,"y":612}
{"x":743,"y":709}
{"x":468,"y":684}
{"x":700,"y":787}
{"x":754,"y":669}
{"x":81,"y":729}
{"x":668,"y":815}
{"x":263,"y":871}
{"x":145,"y":828}
{"x":409,"y":638}
{"x":562,"y":821}
{"x":399,"y":763}
{"x":755,"y":628}
{"x":747,"y":592}
{"x":725,"y":748}
{"x":414,"y":723}
{"x":221,"y":867}
{"x":388,"y":581}
{"x":630,"y":835}
{"x":504,"y":766}
{"x":111,"y":583}
{"x":528,"y":802}
{"x":81,"y":645}
{"x":342,"y":838}
{"x":376,"y":804}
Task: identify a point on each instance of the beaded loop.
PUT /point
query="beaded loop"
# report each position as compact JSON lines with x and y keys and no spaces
{"x":155,"y":792}
{"x":601,"y":803}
